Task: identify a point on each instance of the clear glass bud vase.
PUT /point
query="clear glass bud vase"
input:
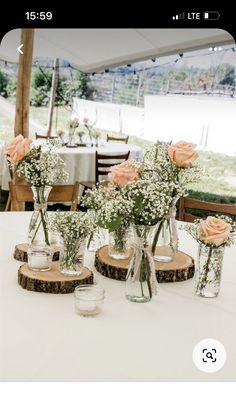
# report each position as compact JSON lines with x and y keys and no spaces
{"x":72,"y":256}
{"x":119,"y":243}
{"x":39,"y":246}
{"x":141,"y":283}
{"x":71,"y":137}
{"x":208,"y":271}
{"x":165,"y":243}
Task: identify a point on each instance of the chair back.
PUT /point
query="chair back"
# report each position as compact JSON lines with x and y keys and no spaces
{"x":195,"y":204}
{"x":103,"y":163}
{"x":61,"y":193}
{"x":117,"y":139}
{"x":39,"y":136}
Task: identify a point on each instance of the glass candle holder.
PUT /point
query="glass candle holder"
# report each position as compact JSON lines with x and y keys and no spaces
{"x":89,"y":299}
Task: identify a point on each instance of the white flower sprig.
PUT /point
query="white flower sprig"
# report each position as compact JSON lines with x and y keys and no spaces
{"x":42,"y":166}
{"x":72,"y":225}
{"x":110,"y":204}
{"x":158,"y":167}
{"x":151,"y":201}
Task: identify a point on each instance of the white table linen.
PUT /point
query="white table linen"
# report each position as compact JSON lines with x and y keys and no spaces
{"x":80,"y":161}
{"x":42,"y":339}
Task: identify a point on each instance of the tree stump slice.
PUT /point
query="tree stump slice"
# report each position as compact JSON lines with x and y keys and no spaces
{"x":20,"y":252}
{"x":180,"y":269}
{"x":52,"y":281}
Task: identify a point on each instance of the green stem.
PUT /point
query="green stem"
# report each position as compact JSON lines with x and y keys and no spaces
{"x":156,"y":236}
{"x":43,"y":218}
{"x":203,"y":282}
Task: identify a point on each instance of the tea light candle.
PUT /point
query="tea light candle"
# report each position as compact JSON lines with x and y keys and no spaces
{"x":88,"y":299}
{"x":39,"y":261}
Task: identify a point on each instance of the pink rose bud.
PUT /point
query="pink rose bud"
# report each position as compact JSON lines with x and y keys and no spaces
{"x":182,"y":154}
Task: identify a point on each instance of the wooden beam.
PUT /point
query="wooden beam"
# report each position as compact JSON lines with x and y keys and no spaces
{"x":53,"y":95}
{"x":23,"y":83}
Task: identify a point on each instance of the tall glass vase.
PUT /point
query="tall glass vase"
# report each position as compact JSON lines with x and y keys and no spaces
{"x":39,"y":245}
{"x":208,"y":271}
{"x":165,"y":243}
{"x":141,"y":283}
{"x":119,"y":243}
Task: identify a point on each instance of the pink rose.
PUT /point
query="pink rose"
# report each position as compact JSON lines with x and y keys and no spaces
{"x":214,"y":231}
{"x":182,"y":154}
{"x":59,"y":131}
{"x":18,"y":148}
{"x":85,"y":120}
{"x":98,"y":134}
{"x":124,"y":173}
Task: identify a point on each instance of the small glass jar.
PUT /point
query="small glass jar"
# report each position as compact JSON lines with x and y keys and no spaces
{"x":88,"y":299}
{"x":72,"y":256}
{"x":119,"y":247}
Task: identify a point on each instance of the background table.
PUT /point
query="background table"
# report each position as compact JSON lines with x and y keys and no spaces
{"x":42,"y":339}
{"x":80,"y":161}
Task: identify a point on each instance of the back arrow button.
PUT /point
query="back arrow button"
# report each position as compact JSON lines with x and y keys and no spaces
{"x":19,"y":49}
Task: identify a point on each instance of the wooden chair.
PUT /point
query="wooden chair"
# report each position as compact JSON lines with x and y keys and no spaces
{"x":103,"y":163}
{"x":61,"y":193}
{"x":38,"y":136}
{"x":195,"y":204}
{"x":117,"y":139}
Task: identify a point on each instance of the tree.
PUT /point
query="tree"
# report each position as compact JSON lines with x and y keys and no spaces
{"x":229,"y":77}
{"x":40,"y":86}
{"x":3,"y":84}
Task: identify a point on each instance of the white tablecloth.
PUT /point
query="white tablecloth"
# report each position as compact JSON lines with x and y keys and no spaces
{"x":42,"y":339}
{"x":80,"y":161}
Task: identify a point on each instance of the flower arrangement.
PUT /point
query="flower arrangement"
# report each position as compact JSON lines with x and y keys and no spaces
{"x":111,"y":207}
{"x":173,"y":164}
{"x":74,"y":123}
{"x":72,"y":225}
{"x":38,"y":165}
{"x":41,"y":167}
{"x":213,"y":231}
{"x":73,"y":229}
{"x":213,"y":234}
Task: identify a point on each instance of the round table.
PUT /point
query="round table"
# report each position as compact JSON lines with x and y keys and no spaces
{"x":42,"y":339}
{"x":80,"y":161}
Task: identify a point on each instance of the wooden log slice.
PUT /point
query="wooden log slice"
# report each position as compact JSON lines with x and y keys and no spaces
{"x":52,"y":281}
{"x":20,"y":252}
{"x":180,"y":269}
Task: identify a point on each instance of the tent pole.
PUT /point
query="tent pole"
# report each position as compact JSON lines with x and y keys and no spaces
{"x":23,"y":83}
{"x":53,"y":95}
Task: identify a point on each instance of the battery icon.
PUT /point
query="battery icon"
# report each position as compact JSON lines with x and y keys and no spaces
{"x":211,"y":15}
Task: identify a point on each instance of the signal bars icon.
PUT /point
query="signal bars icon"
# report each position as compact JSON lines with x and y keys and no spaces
{"x":178,"y":16}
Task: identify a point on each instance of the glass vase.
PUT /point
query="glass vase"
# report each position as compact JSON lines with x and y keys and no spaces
{"x":71,"y":256}
{"x":118,"y":247}
{"x":165,"y":243}
{"x":141,"y":283}
{"x":208,"y":271}
{"x":71,"y":137}
{"x":39,"y":244}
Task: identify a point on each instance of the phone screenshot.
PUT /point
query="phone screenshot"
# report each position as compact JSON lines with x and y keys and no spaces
{"x":118,"y":197}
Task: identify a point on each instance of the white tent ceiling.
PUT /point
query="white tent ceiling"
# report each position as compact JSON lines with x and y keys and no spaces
{"x":95,"y":49}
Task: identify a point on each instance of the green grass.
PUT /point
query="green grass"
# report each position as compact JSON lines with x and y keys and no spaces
{"x":219,"y":185}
